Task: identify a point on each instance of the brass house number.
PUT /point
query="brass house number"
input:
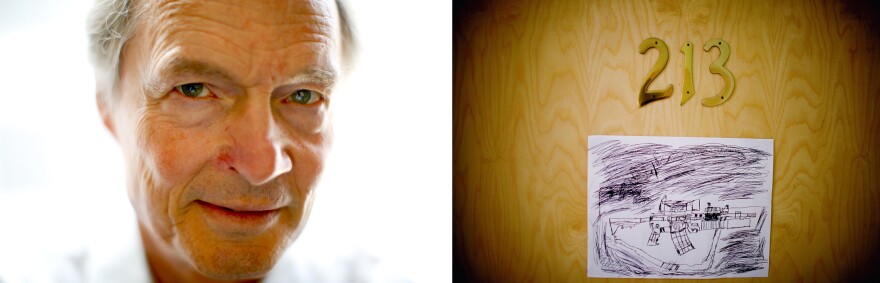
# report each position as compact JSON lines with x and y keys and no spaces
{"x":647,"y":96}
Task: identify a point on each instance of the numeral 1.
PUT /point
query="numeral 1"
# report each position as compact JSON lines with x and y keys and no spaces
{"x":688,"y":89}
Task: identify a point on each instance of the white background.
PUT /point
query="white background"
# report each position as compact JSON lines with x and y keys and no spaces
{"x":386,"y":189}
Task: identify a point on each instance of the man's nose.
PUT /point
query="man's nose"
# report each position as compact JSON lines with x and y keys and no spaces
{"x":257,"y":151}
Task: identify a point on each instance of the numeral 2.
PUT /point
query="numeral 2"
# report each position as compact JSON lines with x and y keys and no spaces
{"x":646,"y":96}
{"x":717,"y":67}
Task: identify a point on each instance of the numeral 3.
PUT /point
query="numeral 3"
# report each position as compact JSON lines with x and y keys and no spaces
{"x":717,"y":67}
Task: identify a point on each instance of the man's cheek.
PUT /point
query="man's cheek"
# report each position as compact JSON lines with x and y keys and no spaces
{"x":309,"y":163}
{"x":177,"y":155}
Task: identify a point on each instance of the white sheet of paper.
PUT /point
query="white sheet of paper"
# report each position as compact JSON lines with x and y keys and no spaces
{"x":678,"y":207}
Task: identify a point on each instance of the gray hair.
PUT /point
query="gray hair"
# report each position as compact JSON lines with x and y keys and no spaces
{"x":112,"y":22}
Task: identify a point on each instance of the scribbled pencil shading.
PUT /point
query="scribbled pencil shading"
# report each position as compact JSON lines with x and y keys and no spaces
{"x":635,"y":180}
{"x":636,"y":176}
{"x":744,"y":251}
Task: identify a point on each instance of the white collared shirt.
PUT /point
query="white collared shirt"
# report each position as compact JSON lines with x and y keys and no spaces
{"x":122,"y":259}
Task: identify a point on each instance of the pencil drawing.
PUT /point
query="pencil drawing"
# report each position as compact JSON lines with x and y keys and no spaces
{"x":656,"y":216}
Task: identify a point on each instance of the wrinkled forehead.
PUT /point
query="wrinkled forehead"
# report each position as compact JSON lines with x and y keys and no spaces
{"x":278,"y":16}
{"x":240,"y":32}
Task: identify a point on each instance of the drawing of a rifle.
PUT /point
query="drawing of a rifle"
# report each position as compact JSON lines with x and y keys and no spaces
{"x":680,"y":217}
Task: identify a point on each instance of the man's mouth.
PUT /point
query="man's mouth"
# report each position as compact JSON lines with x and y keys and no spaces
{"x":234,"y":209}
{"x":238,"y":220}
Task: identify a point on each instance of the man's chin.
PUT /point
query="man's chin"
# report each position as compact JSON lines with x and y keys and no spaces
{"x":233,"y":261}
{"x":220,"y":255}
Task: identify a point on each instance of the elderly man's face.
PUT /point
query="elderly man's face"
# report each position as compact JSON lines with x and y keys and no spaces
{"x":222,"y":113}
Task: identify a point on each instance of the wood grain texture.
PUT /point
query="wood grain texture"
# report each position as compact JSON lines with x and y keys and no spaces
{"x":533,"y":79}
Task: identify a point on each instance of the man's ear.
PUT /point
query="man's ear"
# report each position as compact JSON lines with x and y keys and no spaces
{"x":105,"y":112}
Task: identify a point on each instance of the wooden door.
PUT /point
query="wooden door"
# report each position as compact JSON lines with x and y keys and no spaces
{"x":533,"y":79}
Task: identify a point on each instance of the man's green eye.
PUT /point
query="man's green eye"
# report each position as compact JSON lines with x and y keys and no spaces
{"x":305,"y":96}
{"x":193,"y":90}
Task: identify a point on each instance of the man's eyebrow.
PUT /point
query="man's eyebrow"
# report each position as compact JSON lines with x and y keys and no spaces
{"x":317,"y":74}
{"x":326,"y":77}
{"x":183,"y":66}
